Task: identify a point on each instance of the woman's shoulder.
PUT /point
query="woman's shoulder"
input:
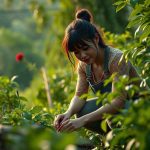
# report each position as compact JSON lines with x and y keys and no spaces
{"x":114,"y":51}
{"x":116,"y":60}
{"x":115,"y":54}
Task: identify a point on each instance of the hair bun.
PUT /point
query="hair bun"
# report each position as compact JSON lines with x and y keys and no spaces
{"x":84,"y":14}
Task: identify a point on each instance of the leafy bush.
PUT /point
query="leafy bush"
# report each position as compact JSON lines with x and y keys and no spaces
{"x":135,"y":129}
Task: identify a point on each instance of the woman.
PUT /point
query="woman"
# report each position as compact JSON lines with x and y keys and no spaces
{"x":97,"y":62}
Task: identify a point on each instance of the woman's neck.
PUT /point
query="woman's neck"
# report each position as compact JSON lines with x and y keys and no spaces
{"x":99,"y":61}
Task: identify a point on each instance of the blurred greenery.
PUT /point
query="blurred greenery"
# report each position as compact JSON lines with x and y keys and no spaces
{"x":36,"y":28}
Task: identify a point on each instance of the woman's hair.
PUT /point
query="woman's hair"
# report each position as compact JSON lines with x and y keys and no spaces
{"x":79,"y":31}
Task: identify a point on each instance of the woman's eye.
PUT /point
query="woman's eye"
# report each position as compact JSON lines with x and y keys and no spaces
{"x":85,"y":48}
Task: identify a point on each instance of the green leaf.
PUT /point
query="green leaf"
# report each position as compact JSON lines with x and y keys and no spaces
{"x":27,"y":115}
{"x":118,"y":3}
{"x":145,"y":33}
{"x":17,"y":110}
{"x":136,"y":21}
{"x":38,"y":117}
{"x":47,"y":115}
{"x":147,"y":2}
{"x":13,"y":78}
{"x":22,"y":98}
{"x":135,"y":11}
{"x":110,"y":79}
{"x":144,"y":25}
{"x":121,"y":6}
{"x":83,"y":96}
{"x":36,"y":109}
{"x":104,"y":125}
{"x":137,"y":30}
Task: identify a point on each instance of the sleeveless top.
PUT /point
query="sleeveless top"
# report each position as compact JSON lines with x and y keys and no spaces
{"x":100,"y":85}
{"x":111,"y":59}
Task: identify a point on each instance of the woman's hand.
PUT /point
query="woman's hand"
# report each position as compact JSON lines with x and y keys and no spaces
{"x":72,"y":125}
{"x":59,"y":119}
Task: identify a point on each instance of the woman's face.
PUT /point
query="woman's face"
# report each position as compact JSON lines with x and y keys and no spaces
{"x":88,"y":53}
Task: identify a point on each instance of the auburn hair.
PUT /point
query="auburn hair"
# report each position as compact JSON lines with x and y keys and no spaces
{"x":78,"y":31}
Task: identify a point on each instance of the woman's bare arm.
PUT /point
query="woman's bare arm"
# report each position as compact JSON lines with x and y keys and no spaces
{"x":116,"y":104}
{"x":77,"y":101}
{"x":75,"y":105}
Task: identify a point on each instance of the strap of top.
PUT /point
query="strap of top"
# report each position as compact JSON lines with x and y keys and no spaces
{"x":106,"y":60}
{"x":88,"y":72}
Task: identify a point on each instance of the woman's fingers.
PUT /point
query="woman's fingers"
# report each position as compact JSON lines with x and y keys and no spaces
{"x":64,"y":123}
{"x":69,"y":129}
{"x":66,"y":126}
{"x":58,"y":121}
{"x":64,"y":119}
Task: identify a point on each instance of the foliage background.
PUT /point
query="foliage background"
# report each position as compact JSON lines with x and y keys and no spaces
{"x":36,"y":28}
